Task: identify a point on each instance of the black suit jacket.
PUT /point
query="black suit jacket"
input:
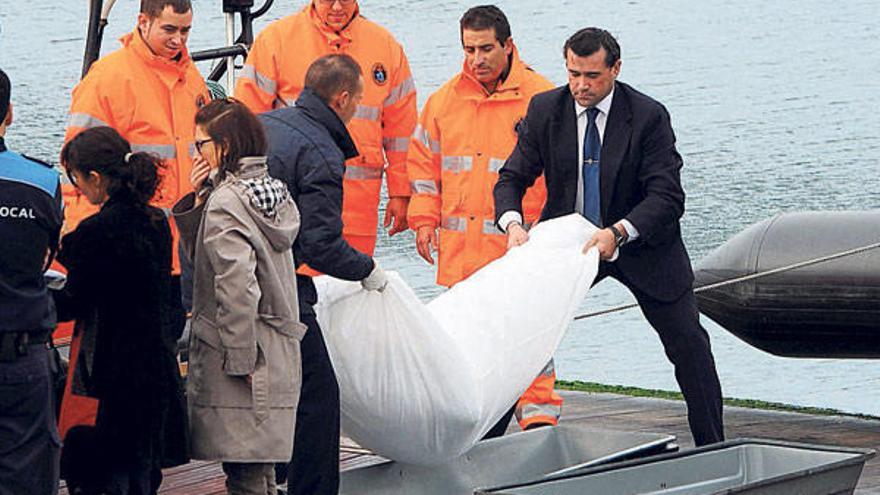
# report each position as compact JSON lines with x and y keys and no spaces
{"x":639,"y":180}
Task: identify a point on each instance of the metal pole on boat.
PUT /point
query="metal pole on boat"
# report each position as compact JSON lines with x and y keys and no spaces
{"x":241,"y":44}
{"x":105,"y":13}
{"x":93,"y":36}
{"x":98,"y":14}
{"x":230,"y":61}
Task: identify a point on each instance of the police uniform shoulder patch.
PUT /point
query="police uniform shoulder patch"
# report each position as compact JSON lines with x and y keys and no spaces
{"x":37,"y":160}
{"x":380,"y":75}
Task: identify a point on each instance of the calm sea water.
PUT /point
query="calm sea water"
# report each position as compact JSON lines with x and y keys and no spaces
{"x":775,"y":105}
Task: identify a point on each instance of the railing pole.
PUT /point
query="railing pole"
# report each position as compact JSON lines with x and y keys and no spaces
{"x":230,"y":61}
{"x":93,"y":36}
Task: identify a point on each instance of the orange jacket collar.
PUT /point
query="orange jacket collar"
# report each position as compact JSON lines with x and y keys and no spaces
{"x":334,"y":37}
{"x":169,"y":70}
{"x":469,"y":86}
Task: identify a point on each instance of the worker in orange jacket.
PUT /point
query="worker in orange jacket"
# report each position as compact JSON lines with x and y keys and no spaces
{"x":149,"y":91}
{"x":466,"y":131}
{"x":273,"y":77}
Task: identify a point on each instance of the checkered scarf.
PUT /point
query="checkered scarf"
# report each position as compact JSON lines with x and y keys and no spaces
{"x":266,"y":194}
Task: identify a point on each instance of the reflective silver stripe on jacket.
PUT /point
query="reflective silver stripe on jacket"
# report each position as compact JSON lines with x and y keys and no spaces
{"x":495,"y":164}
{"x":357,"y":172}
{"x":364,"y":112}
{"x":490,"y":228}
{"x":395,"y":144}
{"x":424,"y":186}
{"x":460,"y":224}
{"x":549,"y":368}
{"x":454,"y":223}
{"x":163,"y":151}
{"x":84,"y":120}
{"x":398,"y":92}
{"x":265,"y":83}
{"x":457,"y":164}
{"x":422,"y":135}
{"x":533,"y":410}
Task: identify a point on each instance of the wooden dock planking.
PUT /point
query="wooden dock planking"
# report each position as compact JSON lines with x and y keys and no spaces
{"x":623,"y":413}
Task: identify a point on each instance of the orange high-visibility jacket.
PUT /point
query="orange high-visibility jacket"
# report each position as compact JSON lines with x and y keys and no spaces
{"x":273,"y":77}
{"x":152,"y":102}
{"x":463,"y":138}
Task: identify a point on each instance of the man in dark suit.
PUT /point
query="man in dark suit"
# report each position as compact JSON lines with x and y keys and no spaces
{"x":608,"y":152}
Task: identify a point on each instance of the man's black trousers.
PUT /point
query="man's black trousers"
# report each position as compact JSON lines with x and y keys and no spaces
{"x":687,"y":347}
{"x":314,"y":467}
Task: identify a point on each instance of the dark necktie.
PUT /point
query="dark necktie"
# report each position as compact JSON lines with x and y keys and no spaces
{"x":592,"y":154}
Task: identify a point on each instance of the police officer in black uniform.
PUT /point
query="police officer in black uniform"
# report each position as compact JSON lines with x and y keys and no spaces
{"x":30,"y":223}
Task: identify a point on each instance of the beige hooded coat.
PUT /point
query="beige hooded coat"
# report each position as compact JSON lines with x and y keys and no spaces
{"x":245,"y":319}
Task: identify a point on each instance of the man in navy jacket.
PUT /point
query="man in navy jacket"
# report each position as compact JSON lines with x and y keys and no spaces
{"x":30,"y":223}
{"x":308,"y":146}
{"x":608,"y":152}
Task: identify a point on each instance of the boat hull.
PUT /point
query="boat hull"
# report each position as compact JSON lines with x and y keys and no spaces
{"x":519,"y":457}
{"x":747,"y":466}
{"x":826,"y":310}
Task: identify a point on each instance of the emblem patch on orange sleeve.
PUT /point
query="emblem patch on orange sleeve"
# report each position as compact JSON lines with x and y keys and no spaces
{"x":380,"y":75}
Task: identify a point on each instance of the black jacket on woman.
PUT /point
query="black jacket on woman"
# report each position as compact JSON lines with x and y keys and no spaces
{"x":119,"y":279}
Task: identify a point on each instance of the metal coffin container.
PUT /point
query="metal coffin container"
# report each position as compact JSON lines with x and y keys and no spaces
{"x":514,"y":458}
{"x":753,"y":467}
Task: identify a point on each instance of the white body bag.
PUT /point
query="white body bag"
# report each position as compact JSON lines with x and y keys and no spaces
{"x":422,"y":383}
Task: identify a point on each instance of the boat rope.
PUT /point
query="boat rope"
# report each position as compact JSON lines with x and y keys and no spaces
{"x":746,"y":278}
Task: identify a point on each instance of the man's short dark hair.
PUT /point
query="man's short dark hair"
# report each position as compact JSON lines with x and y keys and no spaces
{"x":5,"y":95}
{"x":590,"y":40}
{"x":332,"y":74}
{"x":154,"y":8}
{"x":483,"y":17}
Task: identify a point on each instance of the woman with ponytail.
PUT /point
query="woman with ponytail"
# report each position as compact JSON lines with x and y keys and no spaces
{"x":119,"y":279}
{"x":244,"y":355}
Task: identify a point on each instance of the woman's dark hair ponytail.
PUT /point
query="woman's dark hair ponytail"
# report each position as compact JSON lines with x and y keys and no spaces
{"x":103,"y":150}
{"x":144,"y":178}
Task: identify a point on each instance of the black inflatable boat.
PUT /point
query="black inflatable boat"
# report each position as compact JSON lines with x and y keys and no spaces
{"x":830,"y":309}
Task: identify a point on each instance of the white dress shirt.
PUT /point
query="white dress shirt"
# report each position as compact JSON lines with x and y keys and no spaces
{"x":604,"y":107}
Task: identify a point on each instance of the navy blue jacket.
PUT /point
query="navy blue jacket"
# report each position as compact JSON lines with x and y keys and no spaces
{"x":308,"y":146}
{"x":30,"y":223}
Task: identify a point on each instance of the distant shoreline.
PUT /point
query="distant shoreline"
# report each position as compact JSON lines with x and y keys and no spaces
{"x":580,"y":386}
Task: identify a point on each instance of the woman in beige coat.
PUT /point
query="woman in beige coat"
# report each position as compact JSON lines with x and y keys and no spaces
{"x":244,"y":356}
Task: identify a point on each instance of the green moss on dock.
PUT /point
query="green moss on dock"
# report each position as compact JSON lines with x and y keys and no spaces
{"x":580,"y":386}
